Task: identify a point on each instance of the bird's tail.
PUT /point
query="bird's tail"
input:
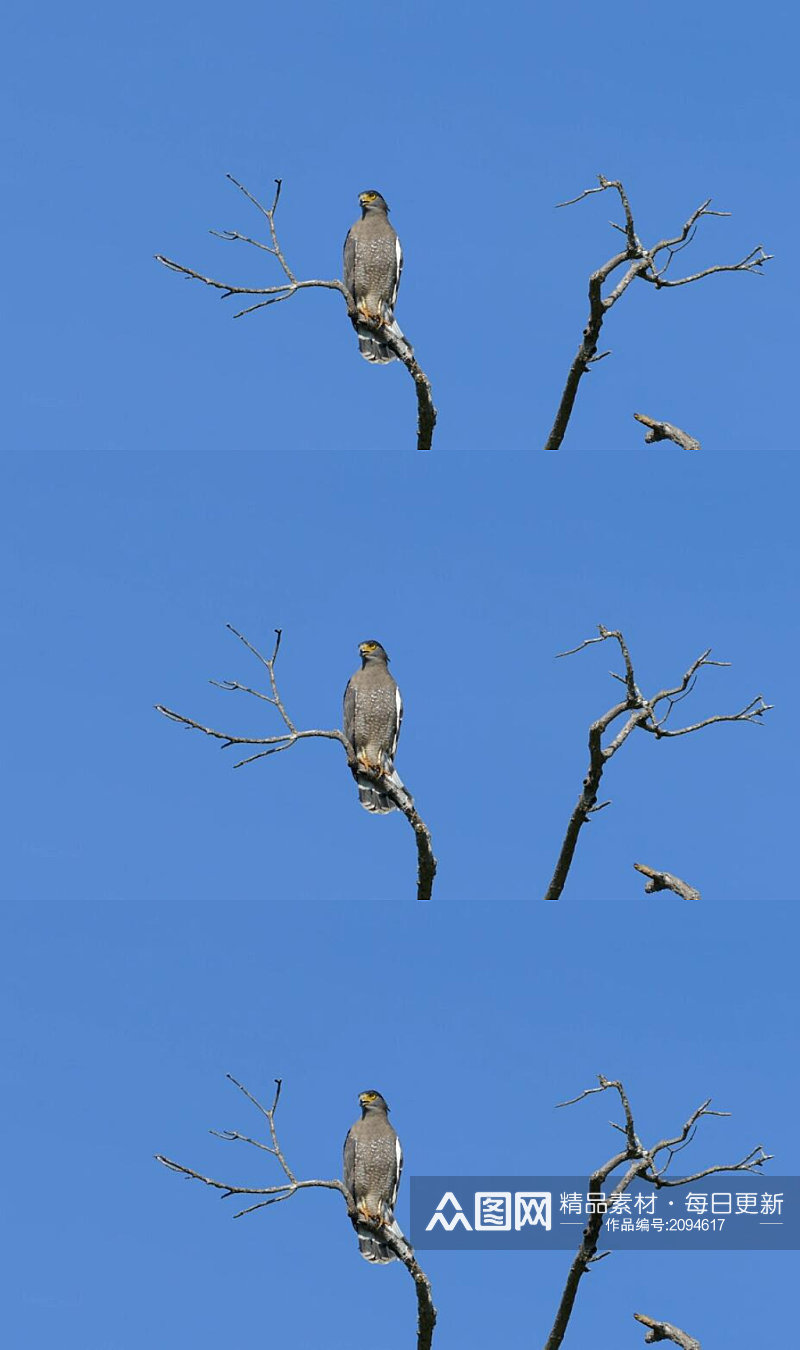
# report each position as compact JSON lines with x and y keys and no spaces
{"x":371,"y":349}
{"x":370,"y":795}
{"x":372,"y":1249}
{"x":370,"y":345}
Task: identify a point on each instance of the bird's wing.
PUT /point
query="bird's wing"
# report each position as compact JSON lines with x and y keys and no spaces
{"x":350,"y":711}
{"x":398,"y":1169}
{"x":350,"y":1162}
{"x":398,"y":252}
{"x":398,"y":719}
{"x":350,"y":260}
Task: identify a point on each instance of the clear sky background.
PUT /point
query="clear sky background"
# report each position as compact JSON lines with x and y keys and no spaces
{"x":168,"y":470}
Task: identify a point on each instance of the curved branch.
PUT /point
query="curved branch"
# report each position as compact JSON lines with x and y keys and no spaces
{"x":426,"y":1311}
{"x":586,"y":1255}
{"x":426,"y":859}
{"x":641,"y":262}
{"x":426,"y":411}
{"x":641,"y":712}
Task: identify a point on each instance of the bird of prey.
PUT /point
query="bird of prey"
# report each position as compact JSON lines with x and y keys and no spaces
{"x":373,"y":1161}
{"x":373,"y":261}
{"x":373,"y":711}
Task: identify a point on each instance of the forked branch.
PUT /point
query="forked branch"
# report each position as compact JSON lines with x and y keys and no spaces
{"x":272,"y":1195}
{"x":644,"y":1164}
{"x":647,"y":264}
{"x":665,"y":881}
{"x":665,"y":1331}
{"x":665,"y":431}
{"x":426,"y":862}
{"x":272,"y":295}
{"x":646,"y":714}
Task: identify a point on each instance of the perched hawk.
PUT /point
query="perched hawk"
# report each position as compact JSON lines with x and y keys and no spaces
{"x":373,"y":711}
{"x":373,"y":261}
{"x":373,"y":1161}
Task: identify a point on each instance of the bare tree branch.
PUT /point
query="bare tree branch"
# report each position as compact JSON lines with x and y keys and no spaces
{"x":639,"y":712}
{"x":644,"y":263}
{"x":426,"y":1312}
{"x":665,"y":881}
{"x":665,"y":1331}
{"x":426,"y":412}
{"x":665,"y":431}
{"x":426,"y":861}
{"x":640,"y":1162}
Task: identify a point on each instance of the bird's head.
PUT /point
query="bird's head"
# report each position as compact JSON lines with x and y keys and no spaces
{"x":371,"y":1101}
{"x":372,"y":651}
{"x":372,"y":201}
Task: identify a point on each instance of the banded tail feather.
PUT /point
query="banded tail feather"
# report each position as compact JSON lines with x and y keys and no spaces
{"x":370,"y":345}
{"x":370,"y":795}
{"x":372,"y":1249}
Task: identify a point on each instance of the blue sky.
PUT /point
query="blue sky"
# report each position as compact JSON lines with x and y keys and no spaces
{"x":169,"y":471}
